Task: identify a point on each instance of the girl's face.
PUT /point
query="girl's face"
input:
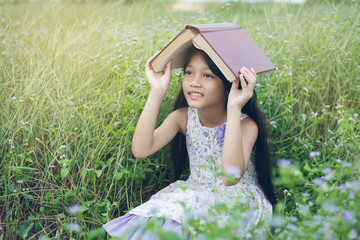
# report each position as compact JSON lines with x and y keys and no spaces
{"x":202,"y":89}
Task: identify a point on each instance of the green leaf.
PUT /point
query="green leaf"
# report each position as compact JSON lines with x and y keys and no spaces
{"x":118,"y":176}
{"x":38,"y":225}
{"x":98,"y":233}
{"x":22,"y":169}
{"x":98,"y":173}
{"x":131,"y":129}
{"x":24,"y":230}
{"x":64,"y":172}
{"x":109,"y":128}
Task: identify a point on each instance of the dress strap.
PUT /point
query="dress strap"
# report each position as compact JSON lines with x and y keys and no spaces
{"x":192,"y":117}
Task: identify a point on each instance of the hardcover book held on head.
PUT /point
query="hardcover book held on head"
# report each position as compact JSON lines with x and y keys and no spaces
{"x":227,"y":45}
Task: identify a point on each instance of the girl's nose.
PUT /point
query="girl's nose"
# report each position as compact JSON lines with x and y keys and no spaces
{"x":195,"y":81}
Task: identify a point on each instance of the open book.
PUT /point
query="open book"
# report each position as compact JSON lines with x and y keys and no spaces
{"x":226,"y":44}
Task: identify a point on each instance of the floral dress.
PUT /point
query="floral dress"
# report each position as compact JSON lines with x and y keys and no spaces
{"x":204,"y":188}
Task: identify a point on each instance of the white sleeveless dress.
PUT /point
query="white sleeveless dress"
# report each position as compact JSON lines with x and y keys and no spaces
{"x":203,"y":189}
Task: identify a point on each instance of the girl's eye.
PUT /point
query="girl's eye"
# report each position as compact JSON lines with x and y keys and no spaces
{"x":206,"y":75}
{"x":188,"y":72}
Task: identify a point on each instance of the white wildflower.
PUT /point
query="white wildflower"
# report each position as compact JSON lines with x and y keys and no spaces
{"x":74,"y":209}
{"x":233,"y":171}
{"x":74,"y":227}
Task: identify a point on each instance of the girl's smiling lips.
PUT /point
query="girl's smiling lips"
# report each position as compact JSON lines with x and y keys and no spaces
{"x":195,"y":95}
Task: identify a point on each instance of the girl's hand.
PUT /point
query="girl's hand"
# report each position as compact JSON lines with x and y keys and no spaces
{"x":159,"y":81}
{"x":239,"y":97}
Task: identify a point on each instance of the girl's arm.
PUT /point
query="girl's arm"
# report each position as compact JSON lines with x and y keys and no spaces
{"x":146,"y":139}
{"x":240,"y":136}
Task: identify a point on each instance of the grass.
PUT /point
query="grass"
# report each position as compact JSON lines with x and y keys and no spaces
{"x":72,"y":87}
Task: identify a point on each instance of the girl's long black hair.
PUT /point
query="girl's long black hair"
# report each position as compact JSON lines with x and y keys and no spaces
{"x":262,"y":155}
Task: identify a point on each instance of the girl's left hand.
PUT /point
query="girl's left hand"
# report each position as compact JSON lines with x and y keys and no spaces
{"x":239,"y":97}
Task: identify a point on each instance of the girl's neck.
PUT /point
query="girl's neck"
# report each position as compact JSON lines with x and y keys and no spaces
{"x":212,"y":117}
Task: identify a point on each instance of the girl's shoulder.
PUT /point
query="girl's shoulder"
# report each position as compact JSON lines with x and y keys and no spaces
{"x":181,"y":116}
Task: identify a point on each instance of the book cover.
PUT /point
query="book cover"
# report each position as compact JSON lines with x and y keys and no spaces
{"x":228,"y":45}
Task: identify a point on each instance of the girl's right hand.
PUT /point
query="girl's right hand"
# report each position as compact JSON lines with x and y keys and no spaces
{"x":159,"y":81}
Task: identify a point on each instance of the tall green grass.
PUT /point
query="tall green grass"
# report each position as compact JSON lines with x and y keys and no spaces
{"x":72,"y":87}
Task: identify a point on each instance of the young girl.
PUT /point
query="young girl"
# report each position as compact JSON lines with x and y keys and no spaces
{"x":223,"y":128}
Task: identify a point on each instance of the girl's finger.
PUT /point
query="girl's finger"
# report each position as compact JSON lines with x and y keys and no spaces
{"x":249,"y":75}
{"x":253,"y":71}
{"x":242,"y":81}
{"x":150,"y":59}
{"x":168,"y":67}
{"x":235,"y":84}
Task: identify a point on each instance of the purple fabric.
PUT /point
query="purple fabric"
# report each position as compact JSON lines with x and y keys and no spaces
{"x":220,"y":133}
{"x":131,"y":226}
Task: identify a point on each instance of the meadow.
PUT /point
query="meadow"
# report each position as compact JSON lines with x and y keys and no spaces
{"x":72,"y":86}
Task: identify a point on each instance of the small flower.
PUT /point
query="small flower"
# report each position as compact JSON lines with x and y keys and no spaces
{"x":62,"y":147}
{"x":352,"y":234}
{"x":74,"y":209}
{"x":284,"y":163}
{"x":74,"y":227}
{"x":51,"y":166}
{"x":319,"y":182}
{"x":329,"y":173}
{"x":20,"y":181}
{"x":305,"y":194}
{"x":349,"y":216}
{"x":345,"y":164}
{"x":338,"y":106}
{"x":314,"y":154}
{"x":330,"y":208}
{"x":233,"y":171}
{"x":307,"y":90}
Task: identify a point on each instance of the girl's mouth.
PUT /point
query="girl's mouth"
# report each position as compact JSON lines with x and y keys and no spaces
{"x":195,"y":95}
